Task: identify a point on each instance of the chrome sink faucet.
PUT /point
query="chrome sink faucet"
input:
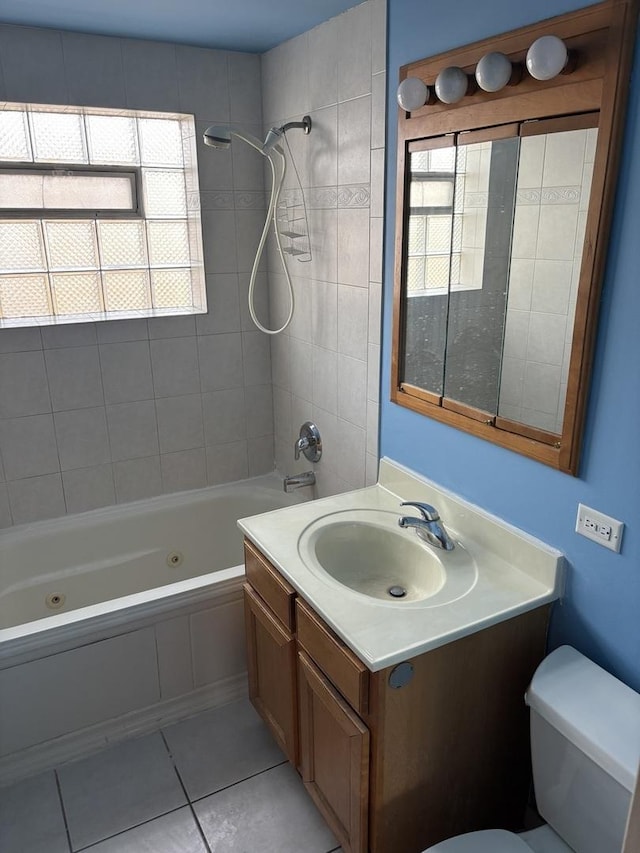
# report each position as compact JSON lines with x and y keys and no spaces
{"x":429,"y":527}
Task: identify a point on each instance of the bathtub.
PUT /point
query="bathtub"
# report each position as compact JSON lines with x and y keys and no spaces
{"x":118,"y":621}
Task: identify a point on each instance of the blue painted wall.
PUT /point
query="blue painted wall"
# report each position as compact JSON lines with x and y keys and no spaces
{"x":600,"y":614}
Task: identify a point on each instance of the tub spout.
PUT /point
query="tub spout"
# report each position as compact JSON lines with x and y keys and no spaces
{"x":297,"y":481}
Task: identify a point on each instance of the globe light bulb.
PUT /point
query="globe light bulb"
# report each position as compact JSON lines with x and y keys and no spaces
{"x":451,"y":85}
{"x":412,"y":94}
{"x":546,"y":57}
{"x":493,"y":72}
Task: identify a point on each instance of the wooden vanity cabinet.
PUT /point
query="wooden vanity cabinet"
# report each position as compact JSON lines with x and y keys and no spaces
{"x":271,"y":650}
{"x":334,"y":756}
{"x":395,"y":769}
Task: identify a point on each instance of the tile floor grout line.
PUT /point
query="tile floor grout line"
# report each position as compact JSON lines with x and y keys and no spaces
{"x":186,"y":793}
{"x":239,"y":782}
{"x":62,"y":809}
{"x":129,"y":829}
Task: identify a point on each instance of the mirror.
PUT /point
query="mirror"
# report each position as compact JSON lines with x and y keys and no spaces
{"x":495,"y":239}
{"x":503,"y":208}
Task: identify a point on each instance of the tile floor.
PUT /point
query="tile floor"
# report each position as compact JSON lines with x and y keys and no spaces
{"x":215,"y":783}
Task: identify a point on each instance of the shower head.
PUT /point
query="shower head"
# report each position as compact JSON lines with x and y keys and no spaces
{"x":220,"y":137}
{"x":217,"y":137}
{"x":276,"y":133}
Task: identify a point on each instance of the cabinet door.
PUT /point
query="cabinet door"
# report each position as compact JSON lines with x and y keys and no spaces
{"x":271,"y":652}
{"x":334,"y":757}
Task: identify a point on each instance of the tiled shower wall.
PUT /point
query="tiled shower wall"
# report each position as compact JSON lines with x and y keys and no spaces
{"x":326,"y":365}
{"x":96,"y":414}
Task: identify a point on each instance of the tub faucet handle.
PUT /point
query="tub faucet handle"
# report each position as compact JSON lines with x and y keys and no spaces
{"x":308,"y":443}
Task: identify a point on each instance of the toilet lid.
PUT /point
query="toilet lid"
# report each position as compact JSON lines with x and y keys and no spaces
{"x":486,"y":841}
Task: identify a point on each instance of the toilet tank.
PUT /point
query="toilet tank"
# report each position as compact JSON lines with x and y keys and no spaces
{"x":585,"y":746}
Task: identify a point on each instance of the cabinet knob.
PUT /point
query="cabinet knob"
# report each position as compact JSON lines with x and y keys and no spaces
{"x":400,"y":675}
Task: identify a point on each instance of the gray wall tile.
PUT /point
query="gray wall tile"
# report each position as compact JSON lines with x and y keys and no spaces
{"x":28,"y":446}
{"x":354,"y":52}
{"x":220,"y":361}
{"x":74,"y":377}
{"x":227,"y":462}
{"x":174,"y":362}
{"x":203,"y":82}
{"x":71,"y":335}
{"x":94,"y":70}
{"x":354,"y":141}
{"x":39,"y":79}
{"x":36,"y":498}
{"x":223,"y":304}
{"x":82,"y":438}
{"x":224,"y":416}
{"x":133,"y":430}
{"x":5,"y":508}
{"x":323,"y":64}
{"x":151,"y":78}
{"x":126,"y":372}
{"x":245,"y":97}
{"x":88,"y":488}
{"x":20,"y":340}
{"x":256,"y":358}
{"x":136,"y":479}
{"x":259,"y":412}
{"x":186,"y":469}
{"x":23,"y":385}
{"x":180,"y":423}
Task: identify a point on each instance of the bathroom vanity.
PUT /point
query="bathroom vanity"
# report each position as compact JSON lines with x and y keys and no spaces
{"x":405,"y":719}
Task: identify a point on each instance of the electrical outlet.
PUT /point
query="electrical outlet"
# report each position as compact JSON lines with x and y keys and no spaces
{"x":599,"y":527}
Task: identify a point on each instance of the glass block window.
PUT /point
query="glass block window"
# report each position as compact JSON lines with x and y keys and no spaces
{"x":435,"y":232}
{"x":99,"y":215}
{"x":433,"y":227}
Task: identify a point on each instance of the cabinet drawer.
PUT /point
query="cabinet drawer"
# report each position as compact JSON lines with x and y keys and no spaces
{"x":338,"y":663}
{"x":269,"y":584}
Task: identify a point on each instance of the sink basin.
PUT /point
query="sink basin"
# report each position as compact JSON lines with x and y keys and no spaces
{"x":378,"y":562}
{"x":368,"y":553}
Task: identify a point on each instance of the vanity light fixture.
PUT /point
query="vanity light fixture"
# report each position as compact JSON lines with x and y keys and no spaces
{"x":494,"y":71}
{"x":413,"y":93}
{"x":547,"y":57}
{"x":451,"y":85}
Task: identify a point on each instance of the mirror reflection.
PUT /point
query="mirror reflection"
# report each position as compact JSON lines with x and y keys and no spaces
{"x":492,"y":259}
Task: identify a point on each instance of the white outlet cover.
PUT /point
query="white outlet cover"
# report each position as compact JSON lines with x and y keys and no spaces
{"x":585,"y":514}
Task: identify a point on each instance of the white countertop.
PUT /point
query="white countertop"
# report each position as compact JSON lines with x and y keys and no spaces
{"x":515,"y":571}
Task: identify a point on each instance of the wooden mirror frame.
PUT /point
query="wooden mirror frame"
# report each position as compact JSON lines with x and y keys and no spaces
{"x":600,"y":40}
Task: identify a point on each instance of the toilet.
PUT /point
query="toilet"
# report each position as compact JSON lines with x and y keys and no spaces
{"x":585,"y":747}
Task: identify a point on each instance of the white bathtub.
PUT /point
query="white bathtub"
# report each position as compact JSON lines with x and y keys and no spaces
{"x":120,"y":620}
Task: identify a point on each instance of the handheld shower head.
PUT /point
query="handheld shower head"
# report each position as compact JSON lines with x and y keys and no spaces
{"x":276,"y":133}
{"x":217,"y":137}
{"x":272,"y":138}
{"x":220,"y":137}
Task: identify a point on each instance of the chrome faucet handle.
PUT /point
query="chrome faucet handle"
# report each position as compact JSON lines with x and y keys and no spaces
{"x":428,"y":512}
{"x":301,"y":445}
{"x":309,"y":442}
